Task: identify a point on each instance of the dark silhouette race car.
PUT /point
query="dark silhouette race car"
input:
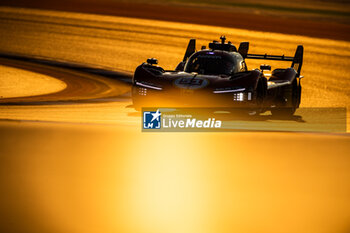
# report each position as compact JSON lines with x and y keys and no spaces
{"x":219,"y":77}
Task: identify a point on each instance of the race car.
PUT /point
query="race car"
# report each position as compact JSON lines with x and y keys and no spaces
{"x":219,"y":77}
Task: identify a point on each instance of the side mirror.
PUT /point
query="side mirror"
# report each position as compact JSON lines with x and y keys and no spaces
{"x":265,"y":67}
{"x":152,"y":61}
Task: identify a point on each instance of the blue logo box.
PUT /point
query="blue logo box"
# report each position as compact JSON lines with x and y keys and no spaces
{"x":152,"y":119}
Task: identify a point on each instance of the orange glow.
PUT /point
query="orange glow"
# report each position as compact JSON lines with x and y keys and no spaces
{"x":99,"y":181}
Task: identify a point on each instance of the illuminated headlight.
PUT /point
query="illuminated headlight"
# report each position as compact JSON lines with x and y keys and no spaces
{"x":242,"y":96}
{"x":227,"y":90}
{"x":238,"y":96}
{"x":142,"y":91}
{"x":249,"y":96}
{"x":144,"y":85}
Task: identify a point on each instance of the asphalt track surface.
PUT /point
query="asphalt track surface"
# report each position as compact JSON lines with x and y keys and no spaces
{"x":76,"y":160}
{"x":19,"y":83}
{"x":252,"y":19}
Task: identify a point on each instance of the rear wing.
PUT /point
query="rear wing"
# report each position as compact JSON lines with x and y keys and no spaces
{"x":297,"y":60}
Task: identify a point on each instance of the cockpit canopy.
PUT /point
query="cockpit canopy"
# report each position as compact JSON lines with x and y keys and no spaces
{"x":212,"y":63}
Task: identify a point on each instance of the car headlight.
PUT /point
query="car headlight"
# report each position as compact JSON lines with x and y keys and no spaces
{"x":238,"y":96}
{"x":142,"y":91}
{"x":228,"y":90}
{"x":242,"y":96}
{"x":148,"y":86}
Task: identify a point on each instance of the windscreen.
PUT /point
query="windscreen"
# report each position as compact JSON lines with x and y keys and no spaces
{"x":210,"y":63}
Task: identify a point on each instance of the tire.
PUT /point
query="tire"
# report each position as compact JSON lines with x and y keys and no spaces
{"x":261,"y":92}
{"x":292,"y":94}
